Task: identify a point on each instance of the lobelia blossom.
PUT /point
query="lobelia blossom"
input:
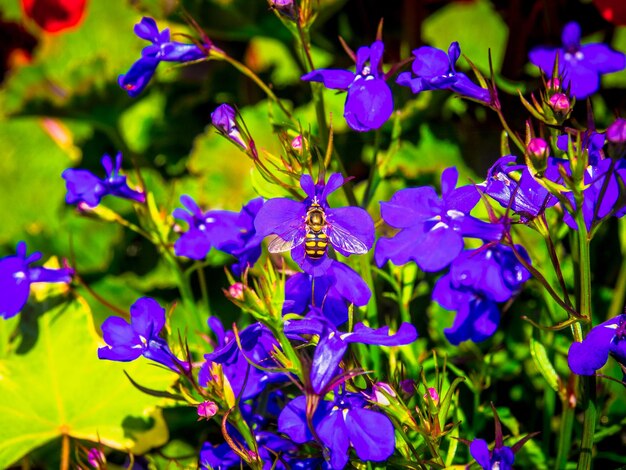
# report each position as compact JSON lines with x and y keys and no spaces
{"x":580,"y":66}
{"x":477,"y":281}
{"x":344,"y":422}
{"x":162,"y":49}
{"x":231,"y":232}
{"x":433,"y":69}
{"x":341,"y":285}
{"x":333,"y":343}
{"x":432,"y":228}
{"x":83,"y":187}
{"x":600,"y":197}
{"x":501,"y":457}
{"x":224,"y":118}
{"x":257,"y":343}
{"x":348,"y":230}
{"x":608,"y":338}
{"x":369,"y":102}
{"x":16,"y":276}
{"x":126,"y":342}
{"x":514,"y":187}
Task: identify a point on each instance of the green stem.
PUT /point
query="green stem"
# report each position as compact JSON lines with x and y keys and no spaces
{"x":588,"y":382}
{"x":203,"y":288}
{"x":371,"y":187}
{"x":516,"y":140}
{"x":565,"y":435}
{"x":255,"y":78}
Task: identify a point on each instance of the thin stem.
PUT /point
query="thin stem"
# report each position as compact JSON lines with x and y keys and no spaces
{"x":516,"y":140}
{"x":565,"y":435}
{"x":370,"y":188}
{"x":203,"y":288}
{"x":260,"y":83}
{"x":65,"y":452}
{"x":588,"y":382}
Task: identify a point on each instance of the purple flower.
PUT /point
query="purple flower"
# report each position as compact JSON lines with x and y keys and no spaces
{"x":83,"y":187}
{"x":616,"y":132}
{"x":477,"y":281}
{"x":307,"y":227}
{"x":369,"y":102}
{"x":502,"y":457}
{"x":579,"y":65}
{"x":16,"y":277}
{"x":126,"y":342}
{"x":340,"y":424}
{"x":432,"y":228}
{"x":162,"y":49}
{"x":434,"y":70}
{"x":591,"y":354}
{"x":257,"y":344}
{"x":224,"y":119}
{"x":514,"y":187}
{"x":332,"y":292}
{"x":219,"y":457}
{"x":333,"y":343}
{"x":231,"y":232}
{"x":593,"y":142}
{"x":601,"y":195}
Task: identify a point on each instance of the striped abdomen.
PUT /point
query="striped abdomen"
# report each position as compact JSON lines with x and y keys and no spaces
{"x":315,"y":244}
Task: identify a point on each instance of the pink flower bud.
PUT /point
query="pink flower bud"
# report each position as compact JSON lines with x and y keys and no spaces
{"x":559,"y":102}
{"x":236,"y":291}
{"x":379,"y":396}
{"x":296,"y":144}
{"x":96,"y":458}
{"x":206,"y":410}
{"x":434,"y":396}
{"x":538,"y":147}
{"x":616,"y":132}
{"x":553,"y":84}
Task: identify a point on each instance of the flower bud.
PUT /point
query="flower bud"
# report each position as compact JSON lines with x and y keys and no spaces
{"x":616,"y":136}
{"x":236,"y":291}
{"x":537,"y":153}
{"x":407,"y":386}
{"x":96,"y":458}
{"x":560,"y":104}
{"x":616,"y":132}
{"x":224,"y":119}
{"x":554,"y":84}
{"x":284,"y":7}
{"x":206,"y":410}
{"x":379,"y":395}
{"x":296,"y":144}
{"x":434,"y":396}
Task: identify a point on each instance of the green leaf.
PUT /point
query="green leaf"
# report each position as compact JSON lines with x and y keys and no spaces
{"x":31,"y":188}
{"x":543,"y":363}
{"x":460,"y":21}
{"x":55,"y":384}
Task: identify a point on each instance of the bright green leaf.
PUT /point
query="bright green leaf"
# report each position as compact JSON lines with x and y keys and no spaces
{"x":59,"y":386}
{"x":460,"y":21}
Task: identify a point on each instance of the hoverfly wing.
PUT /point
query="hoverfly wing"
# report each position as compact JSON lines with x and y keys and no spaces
{"x":340,"y":237}
{"x":287,"y":241}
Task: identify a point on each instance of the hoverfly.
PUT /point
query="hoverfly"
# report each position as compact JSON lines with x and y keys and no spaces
{"x":315,"y":231}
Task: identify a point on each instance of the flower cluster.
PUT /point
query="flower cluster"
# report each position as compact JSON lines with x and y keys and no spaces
{"x":162,"y":49}
{"x":83,"y":187}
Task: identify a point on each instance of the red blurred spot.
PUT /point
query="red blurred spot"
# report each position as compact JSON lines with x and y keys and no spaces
{"x":612,"y":10}
{"x":129,"y":86}
{"x":54,"y":15}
